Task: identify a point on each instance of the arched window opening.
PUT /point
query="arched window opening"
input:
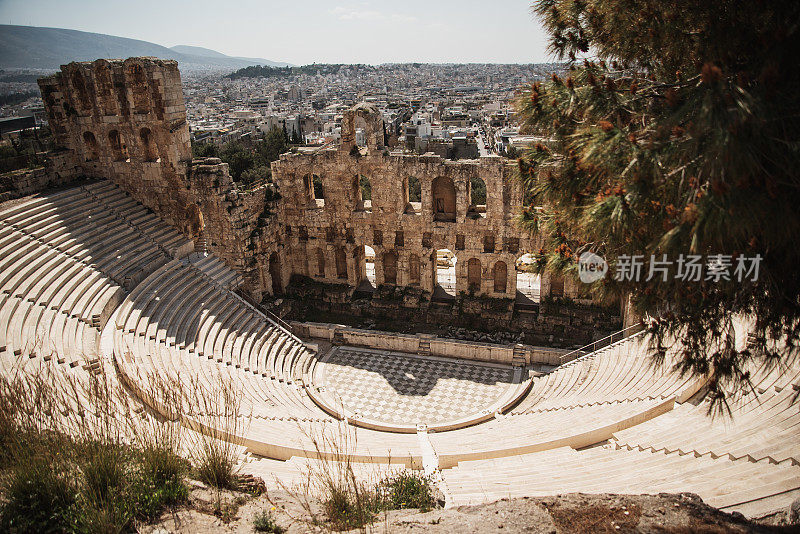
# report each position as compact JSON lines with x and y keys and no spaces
{"x":364,"y":264}
{"x":369,"y":257}
{"x":477,"y":198}
{"x":308,"y":187}
{"x":361,"y":131}
{"x":362,"y":193}
{"x":474,"y":274}
{"x":318,"y":191}
{"x":149,"y":152}
{"x":102,"y":77}
{"x":528,"y":281}
{"x":412,"y":196}
{"x":444,"y":199}
{"x":314,"y":191}
{"x":320,"y":262}
{"x":90,"y":145}
{"x":390,"y":267}
{"x":105,"y":88}
{"x":341,"y":263}
{"x":136,"y":73}
{"x":413,"y":270}
{"x":500,"y":276}
{"x":488,"y":243}
{"x":118,"y":149}
{"x":275,"y":274}
{"x":445,"y":269}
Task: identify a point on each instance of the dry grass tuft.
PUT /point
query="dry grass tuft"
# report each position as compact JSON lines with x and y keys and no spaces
{"x":338,"y":494}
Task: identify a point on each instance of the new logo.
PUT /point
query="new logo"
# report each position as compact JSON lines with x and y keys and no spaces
{"x":591,"y":267}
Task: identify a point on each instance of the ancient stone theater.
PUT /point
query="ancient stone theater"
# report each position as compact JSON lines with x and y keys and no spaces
{"x":125,"y":257}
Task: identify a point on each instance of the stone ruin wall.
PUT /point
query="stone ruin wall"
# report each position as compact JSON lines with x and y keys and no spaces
{"x":126,"y":121}
{"x":239,"y":225}
{"x":341,"y":226}
{"x":59,"y":169}
{"x":323,"y":236}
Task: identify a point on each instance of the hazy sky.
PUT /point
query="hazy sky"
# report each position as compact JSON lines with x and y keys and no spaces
{"x":307,"y":31}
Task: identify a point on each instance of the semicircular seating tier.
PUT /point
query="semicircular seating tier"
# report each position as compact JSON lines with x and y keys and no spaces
{"x":179,"y":326}
{"x":92,"y":280}
{"x":578,"y":404}
{"x":66,"y":259}
{"x":748,"y":460}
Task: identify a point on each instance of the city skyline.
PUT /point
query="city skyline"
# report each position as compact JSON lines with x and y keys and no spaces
{"x":343,"y":32}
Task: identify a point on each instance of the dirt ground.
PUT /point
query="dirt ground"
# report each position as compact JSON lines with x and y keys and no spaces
{"x":562,"y":514}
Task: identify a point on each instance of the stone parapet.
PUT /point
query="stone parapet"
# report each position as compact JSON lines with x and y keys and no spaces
{"x":410,"y":343}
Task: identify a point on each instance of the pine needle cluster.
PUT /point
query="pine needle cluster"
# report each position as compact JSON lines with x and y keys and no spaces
{"x":674,"y":131}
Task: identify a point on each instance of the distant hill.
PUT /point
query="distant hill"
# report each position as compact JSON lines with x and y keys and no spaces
{"x":196,"y":51}
{"x":31,"y":47}
{"x":207,"y":52}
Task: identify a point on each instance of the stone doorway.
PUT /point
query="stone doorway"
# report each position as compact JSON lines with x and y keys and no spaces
{"x":528,"y":282}
{"x":444,"y":262}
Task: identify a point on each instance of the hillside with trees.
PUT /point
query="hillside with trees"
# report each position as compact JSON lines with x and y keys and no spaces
{"x":248,"y":163}
{"x":266,"y":71}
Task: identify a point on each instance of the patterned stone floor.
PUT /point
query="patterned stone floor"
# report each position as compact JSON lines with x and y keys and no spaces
{"x":407,"y":390}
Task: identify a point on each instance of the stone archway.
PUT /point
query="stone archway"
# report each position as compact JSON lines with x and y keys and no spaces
{"x":90,"y":146}
{"x":412,"y":195}
{"x":444,"y":199}
{"x":149,"y":151}
{"x":369,"y":120}
{"x":320,"y":263}
{"x":363,"y":269}
{"x":81,"y":91}
{"x":477,"y":198}
{"x":137,"y":81}
{"x":362,"y":193}
{"x":105,"y":87}
{"x":118,"y":149}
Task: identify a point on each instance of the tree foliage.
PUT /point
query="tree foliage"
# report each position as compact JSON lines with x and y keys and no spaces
{"x":477,"y":191}
{"x":266,"y":71}
{"x":674,"y":132}
{"x":15,"y":98}
{"x":248,"y":163}
{"x":414,"y":189}
{"x":366,"y":187}
{"x":25,"y":149}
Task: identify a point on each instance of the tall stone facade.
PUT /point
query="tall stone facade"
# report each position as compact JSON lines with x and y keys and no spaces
{"x":126,"y":121}
{"x":326,"y":236}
